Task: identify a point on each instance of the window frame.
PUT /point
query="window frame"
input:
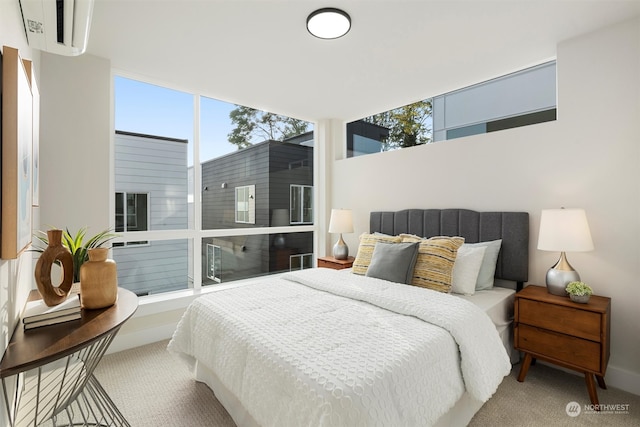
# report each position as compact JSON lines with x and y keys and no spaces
{"x":250,"y":214}
{"x":214,"y":249}
{"x":302,"y":258}
{"x":194,"y":231}
{"x":125,"y":216}
{"x":301,"y":212}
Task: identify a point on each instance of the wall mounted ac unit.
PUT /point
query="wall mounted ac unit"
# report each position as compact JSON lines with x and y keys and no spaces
{"x":57,"y":26}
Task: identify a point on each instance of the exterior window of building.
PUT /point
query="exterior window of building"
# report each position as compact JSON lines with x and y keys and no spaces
{"x":299,"y":164}
{"x":214,"y":255}
{"x":246,"y":204}
{"x":132,"y":214}
{"x":300,"y":261}
{"x":301,"y":204}
{"x":518,"y":99}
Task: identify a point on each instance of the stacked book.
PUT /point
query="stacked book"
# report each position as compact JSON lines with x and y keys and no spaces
{"x":37,"y":313}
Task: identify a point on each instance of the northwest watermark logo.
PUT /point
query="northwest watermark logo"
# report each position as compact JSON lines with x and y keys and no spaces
{"x":573,"y":409}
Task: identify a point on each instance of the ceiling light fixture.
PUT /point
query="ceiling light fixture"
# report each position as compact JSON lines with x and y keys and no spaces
{"x":328,"y":23}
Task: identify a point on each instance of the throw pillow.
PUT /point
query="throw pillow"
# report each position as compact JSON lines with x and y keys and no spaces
{"x":393,"y":261}
{"x":436,"y":257}
{"x":365,"y":250}
{"x":466,"y":269}
{"x":488,"y":268}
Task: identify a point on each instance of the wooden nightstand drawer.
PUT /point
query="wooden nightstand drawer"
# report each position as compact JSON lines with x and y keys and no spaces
{"x":563,"y":348}
{"x":567,"y":320}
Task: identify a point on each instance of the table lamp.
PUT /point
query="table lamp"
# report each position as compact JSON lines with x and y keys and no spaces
{"x":563,"y":230}
{"x":341,"y":222}
{"x":279,"y":218}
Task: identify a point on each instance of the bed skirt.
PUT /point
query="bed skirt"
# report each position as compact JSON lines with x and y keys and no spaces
{"x":460,"y":415}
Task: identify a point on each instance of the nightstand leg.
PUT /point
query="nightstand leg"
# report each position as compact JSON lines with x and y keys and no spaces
{"x":591,"y":387}
{"x":525,"y":367}
{"x":601,"y":382}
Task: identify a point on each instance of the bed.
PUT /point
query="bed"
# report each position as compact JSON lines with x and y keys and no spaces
{"x":326,"y":347}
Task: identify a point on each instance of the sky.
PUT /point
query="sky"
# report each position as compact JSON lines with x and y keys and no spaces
{"x":154,"y":110}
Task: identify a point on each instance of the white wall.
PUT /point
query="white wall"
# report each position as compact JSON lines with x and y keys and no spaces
{"x":589,"y":158}
{"x":16,"y":276}
{"x":75,"y":134}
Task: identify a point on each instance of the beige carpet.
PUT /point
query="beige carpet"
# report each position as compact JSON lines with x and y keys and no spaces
{"x":152,"y":388}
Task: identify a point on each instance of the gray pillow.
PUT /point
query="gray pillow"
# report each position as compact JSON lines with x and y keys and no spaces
{"x":488,"y":267}
{"x":393,"y":261}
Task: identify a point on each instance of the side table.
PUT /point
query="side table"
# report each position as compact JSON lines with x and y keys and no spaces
{"x":560,"y":331}
{"x":336,"y":264}
{"x":47,"y":373}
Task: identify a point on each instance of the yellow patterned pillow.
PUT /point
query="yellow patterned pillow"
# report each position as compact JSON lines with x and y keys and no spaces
{"x":436,"y":257}
{"x":365,"y":250}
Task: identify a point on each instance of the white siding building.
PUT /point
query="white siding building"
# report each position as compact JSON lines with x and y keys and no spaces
{"x":151,"y":185}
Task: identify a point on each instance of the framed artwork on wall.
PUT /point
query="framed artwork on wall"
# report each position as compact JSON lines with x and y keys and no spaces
{"x":17,"y":151}
{"x":35,"y":154}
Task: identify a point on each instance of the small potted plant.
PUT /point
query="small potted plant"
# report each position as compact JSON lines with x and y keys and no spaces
{"x":579,"y":292}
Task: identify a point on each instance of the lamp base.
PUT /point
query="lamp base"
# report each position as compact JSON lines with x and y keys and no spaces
{"x":340,"y":249}
{"x":278,"y":241}
{"x":560,"y":275}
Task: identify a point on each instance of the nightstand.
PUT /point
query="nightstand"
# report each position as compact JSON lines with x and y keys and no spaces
{"x":336,"y":264}
{"x":555,"y":329}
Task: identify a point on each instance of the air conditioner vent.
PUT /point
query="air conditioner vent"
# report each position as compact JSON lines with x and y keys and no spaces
{"x":60,"y":20}
{"x":57,"y":26}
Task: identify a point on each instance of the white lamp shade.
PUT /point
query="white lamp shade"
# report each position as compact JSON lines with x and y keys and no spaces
{"x":280,"y":217}
{"x":564,"y":230}
{"x":341,"y":221}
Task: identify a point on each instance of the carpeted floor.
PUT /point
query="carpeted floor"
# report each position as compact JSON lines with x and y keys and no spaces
{"x":153,"y":388}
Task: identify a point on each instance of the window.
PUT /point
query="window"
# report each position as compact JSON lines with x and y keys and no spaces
{"x":402,"y":127}
{"x":131,"y":215}
{"x":199,"y":164}
{"x":299,"y":164}
{"x":300,"y":262}
{"x":214,"y":255}
{"x":519,"y":99}
{"x":301,"y":204}
{"x":246,"y":204}
{"x":522,"y":98}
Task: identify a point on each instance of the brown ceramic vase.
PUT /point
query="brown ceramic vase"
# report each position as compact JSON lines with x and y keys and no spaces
{"x":98,"y":280}
{"x":54,"y":295}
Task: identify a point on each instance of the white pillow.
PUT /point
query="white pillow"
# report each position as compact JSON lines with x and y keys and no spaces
{"x":488,"y":268}
{"x":466,"y":269}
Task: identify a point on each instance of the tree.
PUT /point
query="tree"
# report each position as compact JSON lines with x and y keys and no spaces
{"x":408,"y":126}
{"x":255,"y":125}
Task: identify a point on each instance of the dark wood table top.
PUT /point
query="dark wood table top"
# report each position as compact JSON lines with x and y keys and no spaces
{"x":37,"y":347}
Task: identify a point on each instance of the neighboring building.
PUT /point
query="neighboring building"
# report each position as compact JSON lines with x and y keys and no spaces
{"x":266,"y":184}
{"x":151,"y":194}
{"x":365,"y":138}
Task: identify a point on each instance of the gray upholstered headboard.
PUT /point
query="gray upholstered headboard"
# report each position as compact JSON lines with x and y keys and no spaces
{"x":511,"y":227}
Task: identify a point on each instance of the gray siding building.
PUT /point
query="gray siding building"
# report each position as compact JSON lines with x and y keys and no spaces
{"x":267,"y":184}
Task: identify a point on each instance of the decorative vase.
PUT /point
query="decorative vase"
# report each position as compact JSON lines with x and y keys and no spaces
{"x":98,"y":280}
{"x":54,"y":295}
{"x":582,"y":299}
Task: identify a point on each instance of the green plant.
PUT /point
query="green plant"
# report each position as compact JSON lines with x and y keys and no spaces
{"x":76,"y":245}
{"x":578,"y":289}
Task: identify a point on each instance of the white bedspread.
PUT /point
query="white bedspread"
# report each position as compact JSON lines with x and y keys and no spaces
{"x":324,"y":348}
